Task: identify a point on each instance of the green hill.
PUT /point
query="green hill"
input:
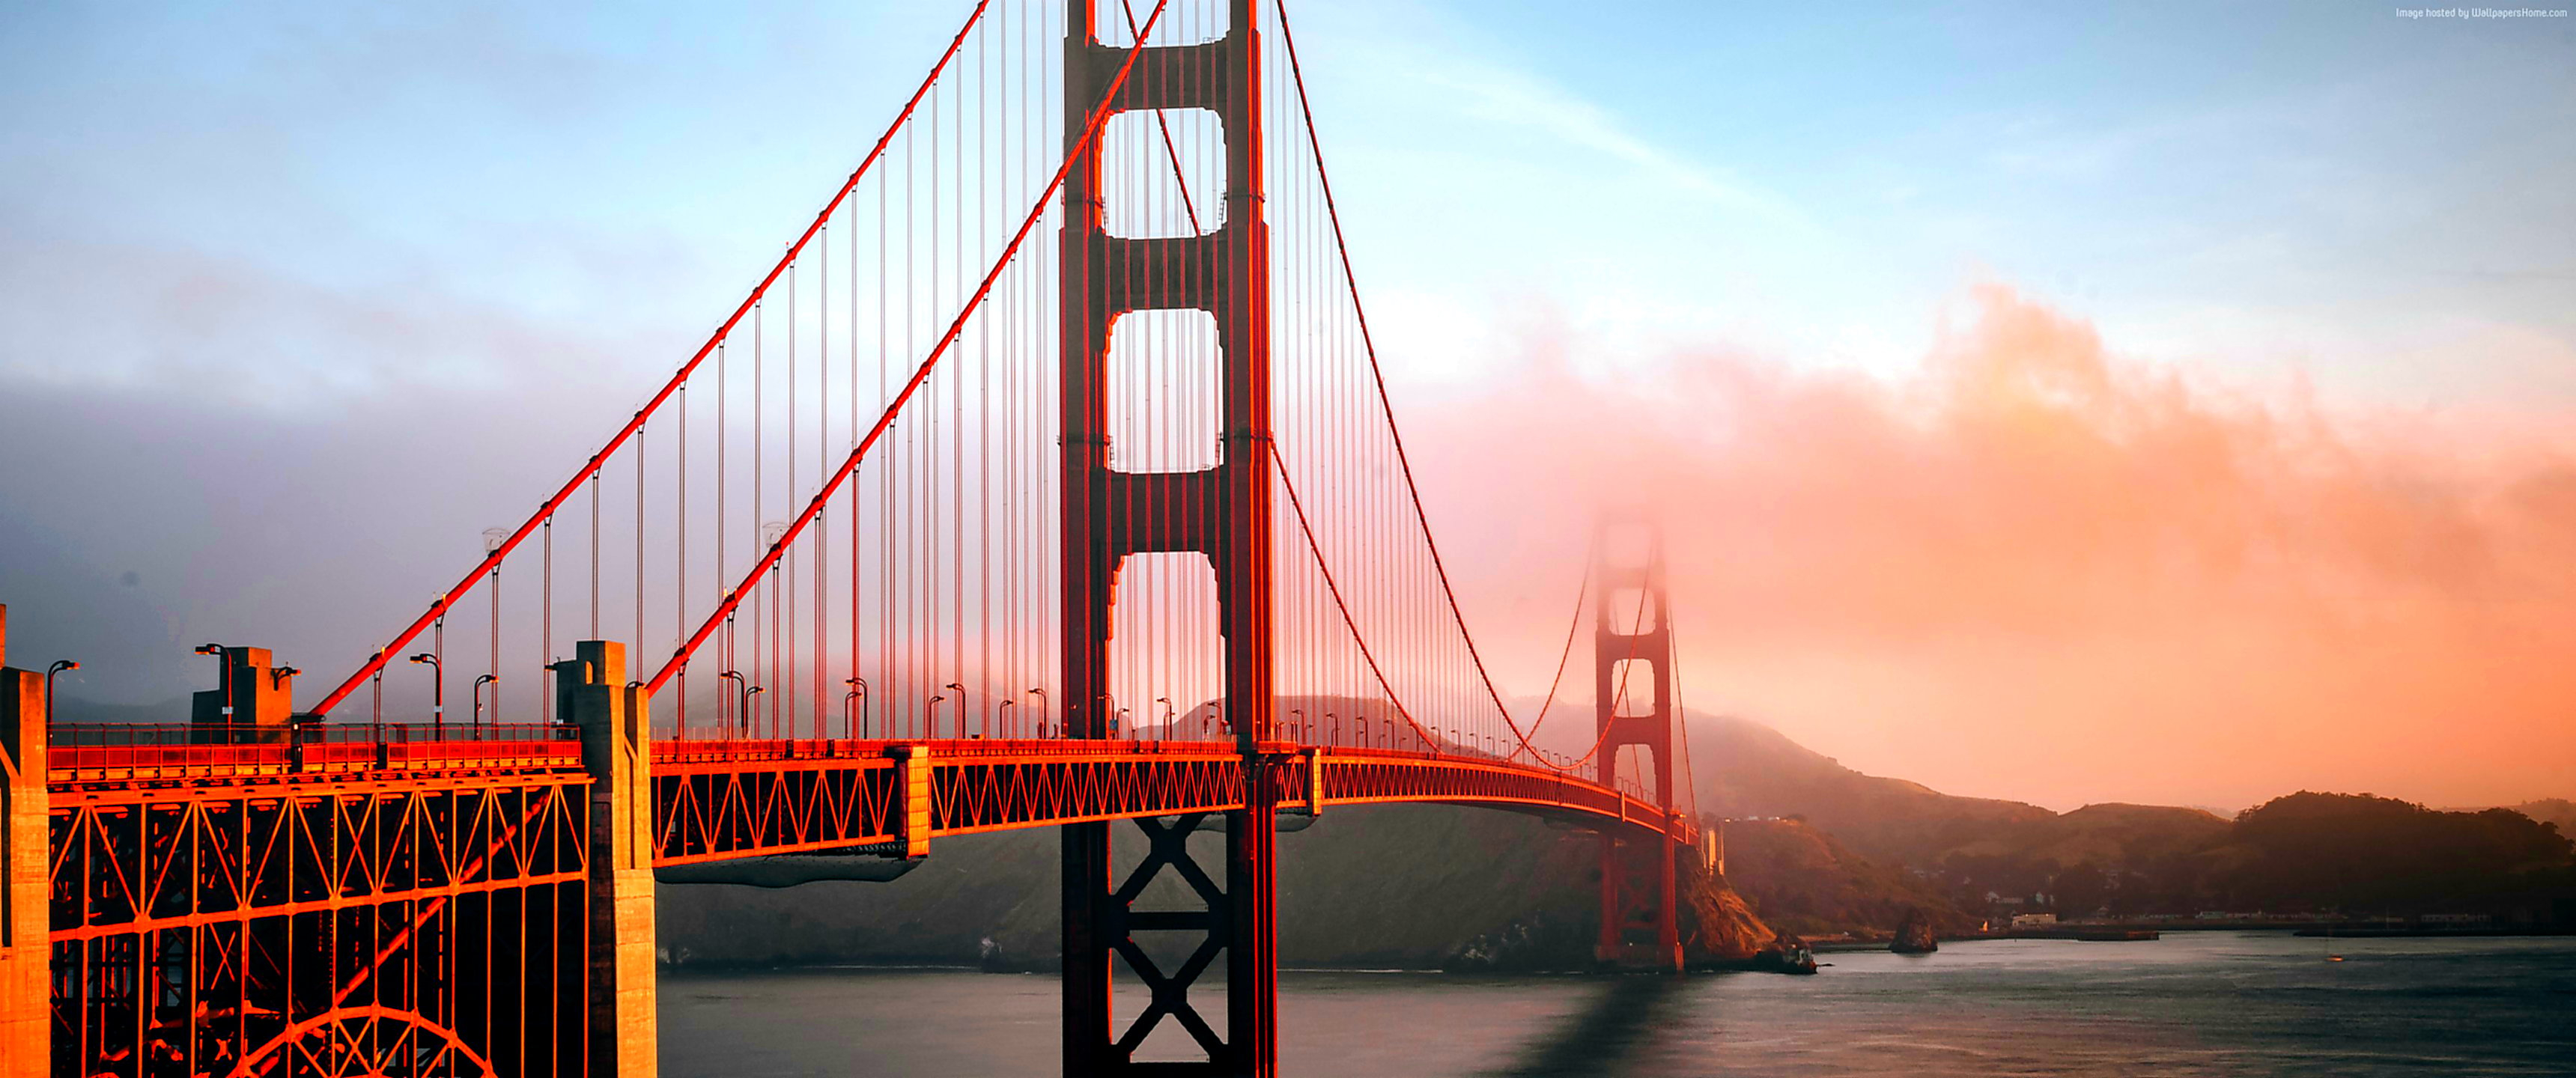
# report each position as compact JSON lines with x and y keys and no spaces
{"x":1814,"y":848}
{"x":1870,"y":844}
{"x":1406,"y":886}
{"x":1746,"y":769}
{"x":2109,"y":834}
{"x":2365,"y":854}
{"x":2552,"y":810}
{"x":1799,"y":879}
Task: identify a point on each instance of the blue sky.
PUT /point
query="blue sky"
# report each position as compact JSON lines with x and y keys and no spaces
{"x":2241,"y":185}
{"x":297,"y":298}
{"x":2380,"y":204}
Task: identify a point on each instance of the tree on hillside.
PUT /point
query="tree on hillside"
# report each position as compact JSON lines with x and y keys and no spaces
{"x":2080,"y":890}
{"x":2376,"y":854}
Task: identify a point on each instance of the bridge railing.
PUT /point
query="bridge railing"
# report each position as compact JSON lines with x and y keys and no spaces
{"x":670,"y":750}
{"x":117,"y":751}
{"x":131,"y":734}
{"x":1363,"y":733}
{"x":114,"y":752}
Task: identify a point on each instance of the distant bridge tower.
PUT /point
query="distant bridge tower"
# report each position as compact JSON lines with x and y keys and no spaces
{"x":1221,"y":512}
{"x":1632,"y":658}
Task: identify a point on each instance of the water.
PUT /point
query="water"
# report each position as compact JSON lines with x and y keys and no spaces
{"x":2195,"y":1003}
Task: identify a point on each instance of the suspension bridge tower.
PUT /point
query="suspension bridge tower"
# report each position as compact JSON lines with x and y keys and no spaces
{"x":1222,"y":513}
{"x":1632,"y":659}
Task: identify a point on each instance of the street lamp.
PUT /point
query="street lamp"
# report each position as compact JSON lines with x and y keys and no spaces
{"x":1042,"y":719}
{"x":481,"y":680}
{"x":224,"y":676}
{"x":59,"y":666}
{"x":1002,"y":716}
{"x":930,"y":714}
{"x":437,"y":689}
{"x":736,"y":677}
{"x":857,"y":718}
{"x":750,"y":690}
{"x":961,"y":708}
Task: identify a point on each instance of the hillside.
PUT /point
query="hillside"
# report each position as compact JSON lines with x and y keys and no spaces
{"x":2105,"y":834}
{"x":1746,"y":769}
{"x":2356,"y":852}
{"x":1872,"y":844}
{"x":1799,"y":879}
{"x":1406,"y":886}
{"x":2557,"y":810}
{"x":2127,"y":858}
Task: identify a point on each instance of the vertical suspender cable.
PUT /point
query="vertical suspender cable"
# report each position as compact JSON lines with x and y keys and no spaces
{"x":680,"y":562}
{"x":784,"y":595}
{"x":546,"y":630}
{"x":928,"y":364}
{"x":589,"y":471}
{"x":724,"y":664}
{"x":634,"y":653}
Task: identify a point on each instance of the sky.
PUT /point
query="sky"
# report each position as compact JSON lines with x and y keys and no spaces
{"x":2157,"y":403}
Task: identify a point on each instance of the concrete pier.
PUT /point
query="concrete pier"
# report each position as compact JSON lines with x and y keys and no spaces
{"x":616,"y":750}
{"x":26,"y":1025}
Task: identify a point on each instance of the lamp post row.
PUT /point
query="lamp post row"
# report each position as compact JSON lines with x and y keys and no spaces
{"x":855,"y":703}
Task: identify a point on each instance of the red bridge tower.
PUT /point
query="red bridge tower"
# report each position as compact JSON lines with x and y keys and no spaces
{"x":1222,"y":513}
{"x":1633,"y":691}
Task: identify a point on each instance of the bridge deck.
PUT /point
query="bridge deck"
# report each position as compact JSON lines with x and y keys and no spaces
{"x":719,"y":799}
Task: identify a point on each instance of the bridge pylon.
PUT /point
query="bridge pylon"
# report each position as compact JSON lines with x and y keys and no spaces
{"x":1632,"y":659}
{"x":26,"y":946}
{"x":615,"y":721}
{"x":1222,"y":513}
{"x":253,"y":700}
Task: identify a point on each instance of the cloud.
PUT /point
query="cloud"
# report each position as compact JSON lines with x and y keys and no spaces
{"x":156,"y":320}
{"x":2030,"y":568}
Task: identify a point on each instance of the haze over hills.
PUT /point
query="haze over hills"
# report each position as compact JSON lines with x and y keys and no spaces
{"x":2557,"y":810}
{"x":1479,"y":889}
{"x":1745,"y":769}
{"x":2304,"y":852}
{"x":1799,"y":879}
{"x":1815,"y":849}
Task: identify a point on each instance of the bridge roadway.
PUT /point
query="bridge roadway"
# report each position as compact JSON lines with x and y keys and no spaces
{"x":715,"y":800}
{"x":351,"y":899}
{"x":289,"y":896}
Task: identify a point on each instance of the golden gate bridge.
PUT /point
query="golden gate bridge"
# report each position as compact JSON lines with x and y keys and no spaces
{"x":1049,"y":479}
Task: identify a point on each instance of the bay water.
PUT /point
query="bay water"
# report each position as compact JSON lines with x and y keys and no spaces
{"x":2192,"y":1003}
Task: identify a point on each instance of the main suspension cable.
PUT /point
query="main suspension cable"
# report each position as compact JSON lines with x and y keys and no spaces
{"x":894,"y":408}
{"x":590,"y":469}
{"x":1386,"y":404}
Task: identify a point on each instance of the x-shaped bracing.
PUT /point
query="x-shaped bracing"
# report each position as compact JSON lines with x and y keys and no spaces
{"x":1170,"y":848}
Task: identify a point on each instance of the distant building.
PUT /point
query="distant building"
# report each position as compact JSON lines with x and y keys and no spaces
{"x":2034,"y":920}
{"x":2455,"y":919}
